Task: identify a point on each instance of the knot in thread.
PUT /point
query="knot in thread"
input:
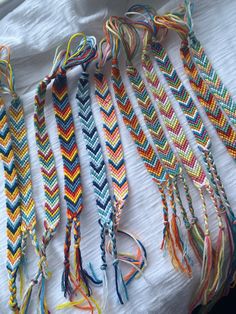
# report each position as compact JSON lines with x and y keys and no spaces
{"x":103,"y":266}
{"x":115,"y":262}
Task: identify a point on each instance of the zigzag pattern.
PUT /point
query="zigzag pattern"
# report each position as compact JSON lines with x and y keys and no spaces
{"x":47,"y":161}
{"x":213,"y":81}
{"x":208,"y":101}
{"x":68,"y":145}
{"x":150,"y":115}
{"x":113,"y":140}
{"x":182,"y":96}
{"x":22,"y":163}
{"x":97,"y":164}
{"x":147,"y":153}
{"x":12,"y":204}
{"x":175,"y":129}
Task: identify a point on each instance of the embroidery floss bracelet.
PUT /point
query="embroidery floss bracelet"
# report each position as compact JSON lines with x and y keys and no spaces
{"x":12,"y":206}
{"x":117,"y":166}
{"x":101,"y":188}
{"x":51,"y":191}
{"x":22,"y":164}
{"x":206,"y":69}
{"x":205,"y":97}
{"x":174,"y":122}
{"x":72,"y":173}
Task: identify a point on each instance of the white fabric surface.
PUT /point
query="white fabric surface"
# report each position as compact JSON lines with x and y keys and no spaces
{"x":33,"y":30}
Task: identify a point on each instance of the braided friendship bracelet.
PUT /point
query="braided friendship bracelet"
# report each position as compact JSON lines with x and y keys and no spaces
{"x":51,"y":193}
{"x":205,"y":97}
{"x":21,"y":156}
{"x":117,"y":170}
{"x":206,"y":70}
{"x":12,"y":206}
{"x":101,"y":188}
{"x":72,"y":172}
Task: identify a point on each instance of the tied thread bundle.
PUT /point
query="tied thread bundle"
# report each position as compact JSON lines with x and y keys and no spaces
{"x":170,"y":160}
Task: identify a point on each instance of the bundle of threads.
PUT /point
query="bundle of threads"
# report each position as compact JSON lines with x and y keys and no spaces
{"x":168,"y":156}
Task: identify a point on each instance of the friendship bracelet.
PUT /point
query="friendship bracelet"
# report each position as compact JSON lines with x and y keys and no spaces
{"x":117,"y":170}
{"x":72,"y":172}
{"x":101,"y":188}
{"x":51,"y":192}
{"x":12,"y":206}
{"x":206,"y":69}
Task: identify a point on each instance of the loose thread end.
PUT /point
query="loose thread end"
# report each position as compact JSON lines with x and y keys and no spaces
{"x":206,"y":272}
{"x":121,"y":288}
{"x":180,"y":245}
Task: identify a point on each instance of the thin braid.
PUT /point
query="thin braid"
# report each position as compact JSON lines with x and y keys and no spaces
{"x":12,"y":206}
{"x":99,"y":178}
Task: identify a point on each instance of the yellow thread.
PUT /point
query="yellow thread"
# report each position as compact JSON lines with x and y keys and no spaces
{"x":22,"y":281}
{"x":67,"y":56}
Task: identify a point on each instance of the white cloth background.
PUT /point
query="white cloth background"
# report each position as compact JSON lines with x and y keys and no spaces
{"x":33,"y":30}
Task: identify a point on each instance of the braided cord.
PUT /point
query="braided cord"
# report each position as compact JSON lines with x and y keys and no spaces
{"x":99,"y":177}
{"x":113,"y":144}
{"x":212,"y":79}
{"x":208,"y":101}
{"x":12,"y":206}
{"x":175,"y":129}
